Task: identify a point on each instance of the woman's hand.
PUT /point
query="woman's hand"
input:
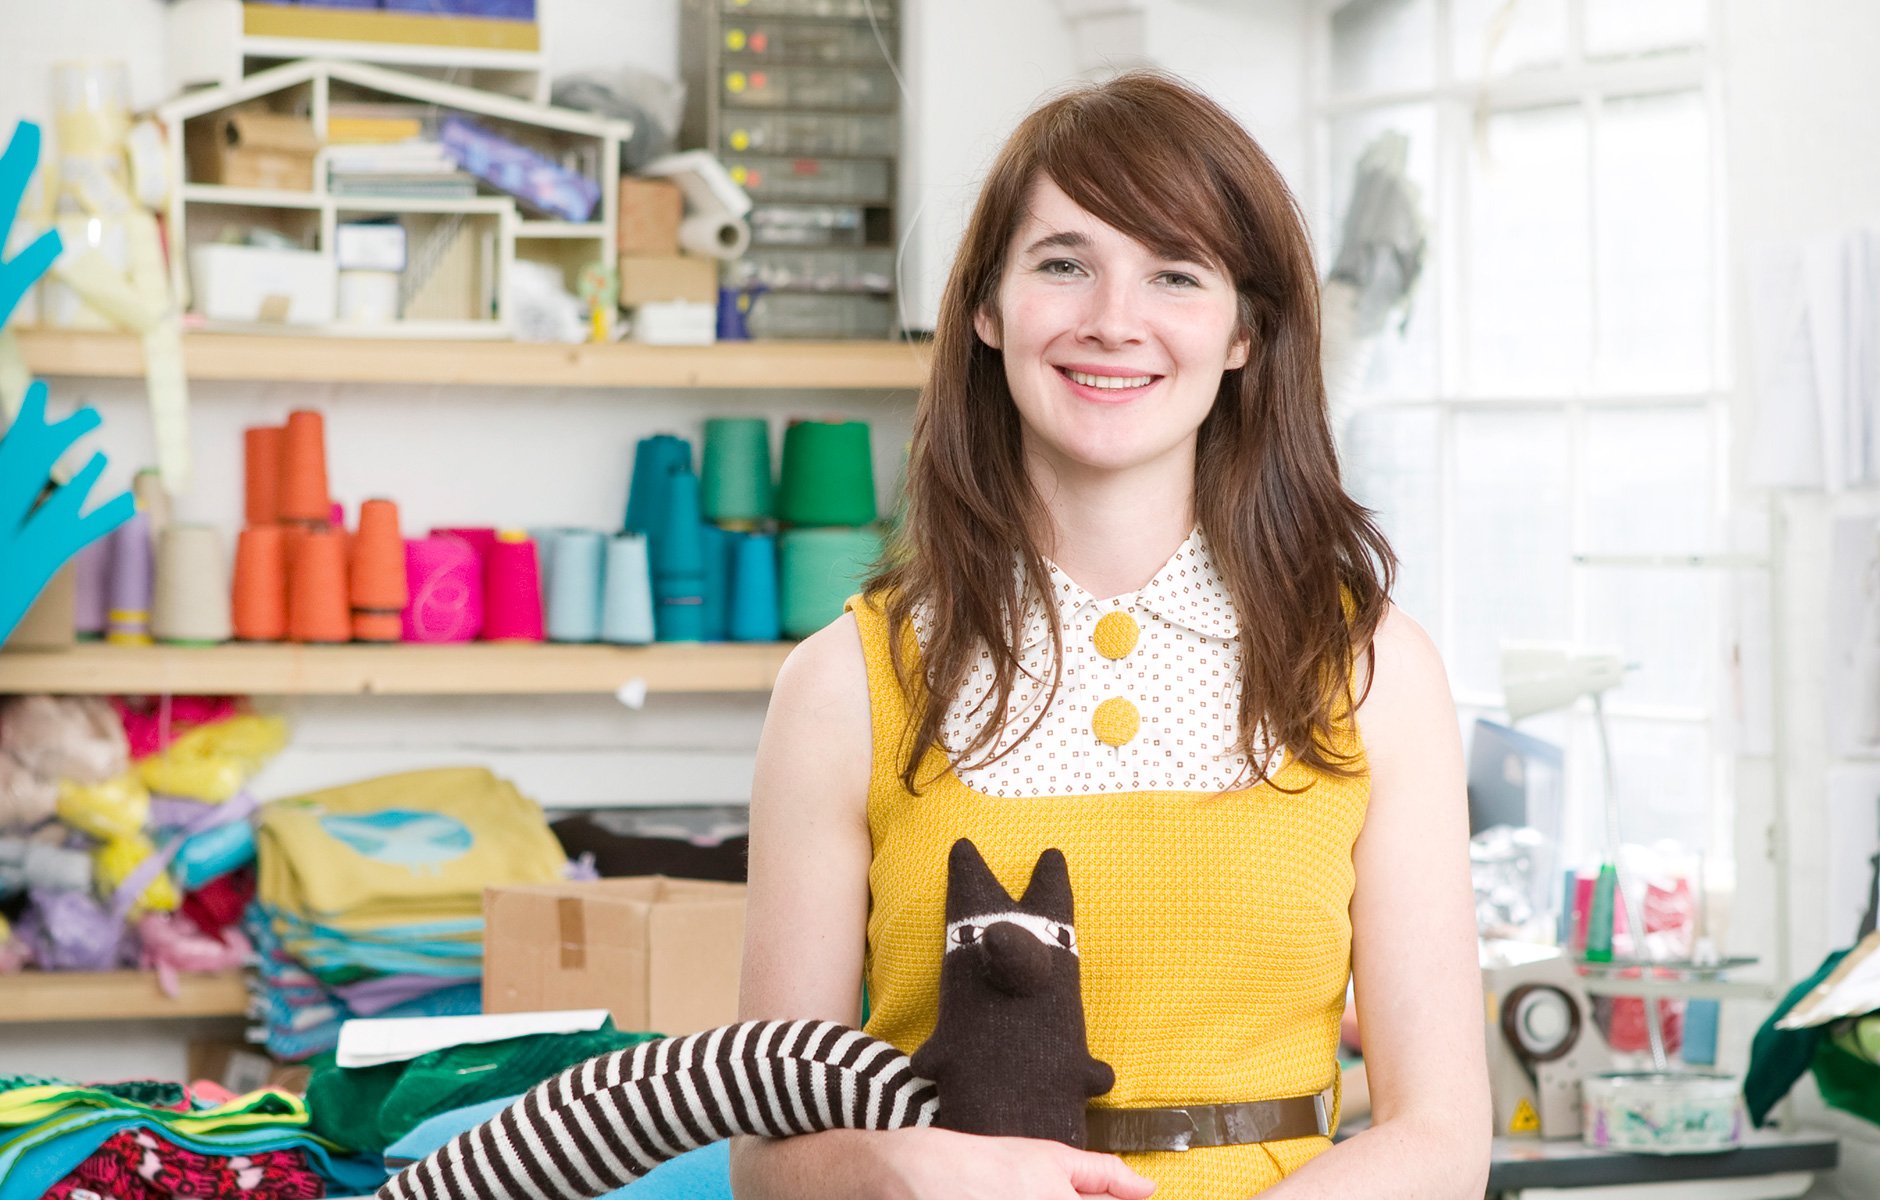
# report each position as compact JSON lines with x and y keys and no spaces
{"x":938,"y":1164}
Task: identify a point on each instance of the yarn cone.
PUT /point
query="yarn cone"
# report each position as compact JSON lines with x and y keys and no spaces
{"x":260,"y":601}
{"x":378,"y":574}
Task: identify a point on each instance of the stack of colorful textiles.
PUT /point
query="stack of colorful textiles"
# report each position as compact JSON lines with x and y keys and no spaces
{"x":370,"y":898}
{"x":156,"y":1141}
{"x":124,"y":831}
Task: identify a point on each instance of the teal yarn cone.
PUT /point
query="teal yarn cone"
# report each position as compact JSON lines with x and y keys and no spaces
{"x":735,"y":474}
{"x":720,"y":544}
{"x":655,"y":460}
{"x":679,"y":572}
{"x":627,"y":606}
{"x":820,"y":569}
{"x":754,"y":613}
{"x":575,"y":573}
{"x":828,"y":475}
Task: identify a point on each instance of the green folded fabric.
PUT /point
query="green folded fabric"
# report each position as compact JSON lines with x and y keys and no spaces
{"x":1847,"y":1080}
{"x":269,"y":1107}
{"x":368,"y":1108}
{"x":1779,"y":1057}
{"x":154,"y":1092}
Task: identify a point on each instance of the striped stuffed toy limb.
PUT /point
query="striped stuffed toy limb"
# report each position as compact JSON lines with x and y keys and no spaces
{"x":601,"y":1124}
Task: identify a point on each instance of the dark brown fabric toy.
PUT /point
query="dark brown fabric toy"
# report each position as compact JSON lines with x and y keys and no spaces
{"x":1008,"y":1051}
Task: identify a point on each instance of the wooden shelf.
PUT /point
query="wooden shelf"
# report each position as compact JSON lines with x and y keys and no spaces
{"x":767,"y":366}
{"x":117,"y":995}
{"x":480,"y":669}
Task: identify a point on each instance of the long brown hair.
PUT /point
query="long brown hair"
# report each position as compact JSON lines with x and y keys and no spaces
{"x":1309,"y":571}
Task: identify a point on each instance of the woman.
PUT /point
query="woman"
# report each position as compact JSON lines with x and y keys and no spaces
{"x":1133,"y":615}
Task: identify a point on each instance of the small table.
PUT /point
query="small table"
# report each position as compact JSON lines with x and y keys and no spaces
{"x":1768,"y":1165}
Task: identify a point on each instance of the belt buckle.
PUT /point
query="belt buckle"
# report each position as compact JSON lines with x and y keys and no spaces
{"x":1322,"y":1110}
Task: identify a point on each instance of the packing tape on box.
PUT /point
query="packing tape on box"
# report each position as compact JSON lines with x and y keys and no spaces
{"x":569,"y":915}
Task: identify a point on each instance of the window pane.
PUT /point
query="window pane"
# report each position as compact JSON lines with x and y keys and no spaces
{"x":1615,"y":27}
{"x":1401,"y":361}
{"x":1391,"y":459}
{"x":1653,"y":197}
{"x":1666,"y":620}
{"x":1650,"y":481}
{"x":1662,"y":774}
{"x":1492,"y":37}
{"x":1528,"y":255}
{"x":1511,"y":539}
{"x":1380,"y":45}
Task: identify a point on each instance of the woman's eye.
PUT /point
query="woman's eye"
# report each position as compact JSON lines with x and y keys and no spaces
{"x":1180,"y":280}
{"x":1058,"y":266}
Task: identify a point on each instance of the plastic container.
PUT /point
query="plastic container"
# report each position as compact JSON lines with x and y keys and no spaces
{"x":759,"y":42}
{"x":819,"y":315}
{"x":849,"y":10}
{"x":852,"y":134}
{"x":818,"y":270}
{"x":1662,"y":1112}
{"x":806,"y":225}
{"x":849,"y":180}
{"x":759,"y":86}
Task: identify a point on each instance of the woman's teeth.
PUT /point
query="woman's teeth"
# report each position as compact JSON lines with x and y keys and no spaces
{"x":1110,"y":381}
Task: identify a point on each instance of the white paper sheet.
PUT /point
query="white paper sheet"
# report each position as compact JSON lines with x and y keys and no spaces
{"x":368,"y":1043}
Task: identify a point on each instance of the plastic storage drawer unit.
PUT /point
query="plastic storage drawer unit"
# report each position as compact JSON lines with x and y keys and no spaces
{"x":848,"y":134}
{"x":844,"y":180}
{"x":809,"y":315}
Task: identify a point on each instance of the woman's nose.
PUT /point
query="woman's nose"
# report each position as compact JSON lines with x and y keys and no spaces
{"x":1111,"y":316}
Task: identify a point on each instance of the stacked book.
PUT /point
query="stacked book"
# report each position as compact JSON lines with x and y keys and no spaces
{"x":390,"y":150}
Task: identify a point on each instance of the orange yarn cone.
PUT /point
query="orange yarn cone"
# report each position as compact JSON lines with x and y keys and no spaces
{"x":378,"y":574}
{"x":303,"y":469}
{"x":260,"y":594}
{"x":317,"y":610}
{"x":263,"y":448}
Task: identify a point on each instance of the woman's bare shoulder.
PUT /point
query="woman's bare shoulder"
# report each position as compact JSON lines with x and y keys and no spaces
{"x":819,"y":713}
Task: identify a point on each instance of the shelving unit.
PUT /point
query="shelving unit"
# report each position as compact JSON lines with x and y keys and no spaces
{"x":34,"y":996}
{"x":311,"y":358}
{"x":477,"y":668}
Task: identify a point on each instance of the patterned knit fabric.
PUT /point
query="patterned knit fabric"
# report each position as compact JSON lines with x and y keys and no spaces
{"x":137,"y":1164}
{"x":1214,"y":928}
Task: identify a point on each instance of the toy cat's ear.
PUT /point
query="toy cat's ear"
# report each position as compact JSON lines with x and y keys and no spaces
{"x":972,"y":888}
{"x":1049,"y":892}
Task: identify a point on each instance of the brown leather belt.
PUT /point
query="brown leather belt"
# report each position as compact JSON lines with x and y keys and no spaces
{"x":1119,"y":1130}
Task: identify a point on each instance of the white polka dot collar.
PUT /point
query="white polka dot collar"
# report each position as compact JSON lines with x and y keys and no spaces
{"x":1187,"y":591}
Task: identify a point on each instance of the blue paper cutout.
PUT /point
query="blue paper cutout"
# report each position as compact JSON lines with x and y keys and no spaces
{"x":38,"y":536}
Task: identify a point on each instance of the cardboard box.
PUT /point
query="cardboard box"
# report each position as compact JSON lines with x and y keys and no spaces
{"x":262,"y":284}
{"x":254,"y":149}
{"x":650,"y":212}
{"x":660,"y":954}
{"x":653,"y":280}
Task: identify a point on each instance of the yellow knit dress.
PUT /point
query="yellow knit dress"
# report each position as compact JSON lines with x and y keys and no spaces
{"x":1214,"y":928}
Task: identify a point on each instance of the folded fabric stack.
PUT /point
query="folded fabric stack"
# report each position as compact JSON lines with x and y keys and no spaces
{"x":159,"y":1141}
{"x":124,"y":831}
{"x":370,"y":898}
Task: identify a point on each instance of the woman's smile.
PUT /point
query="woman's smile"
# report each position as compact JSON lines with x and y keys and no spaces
{"x":1107,"y":385}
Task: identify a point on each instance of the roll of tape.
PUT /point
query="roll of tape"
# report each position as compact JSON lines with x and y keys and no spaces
{"x":713,"y":235}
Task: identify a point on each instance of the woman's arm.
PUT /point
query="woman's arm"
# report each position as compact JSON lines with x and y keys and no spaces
{"x":805,"y":928}
{"x":1413,"y":948}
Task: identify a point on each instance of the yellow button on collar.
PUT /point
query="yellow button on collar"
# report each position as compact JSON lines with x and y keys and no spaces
{"x":1116,"y":634}
{"x":1115,"y":721}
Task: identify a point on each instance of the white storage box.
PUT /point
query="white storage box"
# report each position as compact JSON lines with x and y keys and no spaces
{"x":262,"y":284}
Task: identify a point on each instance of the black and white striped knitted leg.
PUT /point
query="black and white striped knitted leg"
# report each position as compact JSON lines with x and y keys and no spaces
{"x":605,"y":1122}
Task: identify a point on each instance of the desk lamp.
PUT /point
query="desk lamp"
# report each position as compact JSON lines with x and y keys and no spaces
{"x":1538,"y":678}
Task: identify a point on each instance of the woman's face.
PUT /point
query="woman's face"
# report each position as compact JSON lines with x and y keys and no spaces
{"x":1113,"y":353}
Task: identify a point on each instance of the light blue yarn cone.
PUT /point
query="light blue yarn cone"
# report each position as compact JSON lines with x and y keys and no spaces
{"x":574,"y":586}
{"x":627,"y":608}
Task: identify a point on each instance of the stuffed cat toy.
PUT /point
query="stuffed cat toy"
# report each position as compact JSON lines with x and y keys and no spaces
{"x":1008,"y":1056}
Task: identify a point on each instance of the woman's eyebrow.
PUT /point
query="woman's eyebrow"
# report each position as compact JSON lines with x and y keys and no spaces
{"x":1069,"y":239}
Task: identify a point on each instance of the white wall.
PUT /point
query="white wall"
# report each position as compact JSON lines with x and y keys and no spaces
{"x":1800,"y":91}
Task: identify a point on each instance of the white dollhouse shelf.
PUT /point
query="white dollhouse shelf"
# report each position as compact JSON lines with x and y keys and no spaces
{"x":309,"y":86}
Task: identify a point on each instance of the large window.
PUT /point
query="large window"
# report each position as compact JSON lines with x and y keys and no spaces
{"x":1545,"y":437}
